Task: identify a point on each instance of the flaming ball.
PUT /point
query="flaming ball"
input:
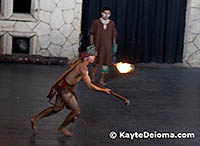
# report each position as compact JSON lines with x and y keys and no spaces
{"x":124,"y":67}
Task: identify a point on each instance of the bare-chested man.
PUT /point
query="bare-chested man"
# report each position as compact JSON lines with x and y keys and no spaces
{"x":65,"y":95}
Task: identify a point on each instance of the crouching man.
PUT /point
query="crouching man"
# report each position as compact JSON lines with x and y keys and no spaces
{"x":65,"y":97}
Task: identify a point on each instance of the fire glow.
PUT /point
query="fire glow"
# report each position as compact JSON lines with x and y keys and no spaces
{"x":124,"y":67}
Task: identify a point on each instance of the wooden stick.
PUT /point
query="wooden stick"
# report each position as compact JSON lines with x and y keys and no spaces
{"x":126,"y":100}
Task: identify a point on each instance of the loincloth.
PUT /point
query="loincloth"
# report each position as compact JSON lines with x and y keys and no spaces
{"x":64,"y":87}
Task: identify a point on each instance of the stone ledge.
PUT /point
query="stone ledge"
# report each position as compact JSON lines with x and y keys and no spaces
{"x":32,"y":59}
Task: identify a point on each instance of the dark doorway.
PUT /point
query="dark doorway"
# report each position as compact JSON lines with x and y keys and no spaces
{"x":22,"y":6}
{"x":0,"y":6}
{"x":148,"y":30}
{"x":21,"y":45}
{"x":1,"y":49}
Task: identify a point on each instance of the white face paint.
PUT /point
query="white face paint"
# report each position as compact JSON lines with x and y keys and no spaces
{"x":106,"y":14}
{"x":103,"y":15}
{"x":91,"y":59}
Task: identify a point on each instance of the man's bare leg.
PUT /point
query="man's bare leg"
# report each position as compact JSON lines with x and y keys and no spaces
{"x":73,"y":105}
{"x":94,"y":71}
{"x":67,"y":121}
{"x":47,"y":112}
{"x":102,"y":79}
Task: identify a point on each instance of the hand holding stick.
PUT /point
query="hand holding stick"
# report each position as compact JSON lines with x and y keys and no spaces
{"x":126,"y":100}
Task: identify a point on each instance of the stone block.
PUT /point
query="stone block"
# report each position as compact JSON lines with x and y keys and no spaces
{"x":56,"y":1}
{"x":191,"y":37}
{"x":54,"y":50}
{"x":4,"y":23}
{"x":194,"y":14}
{"x":189,"y":50}
{"x":44,"y":41}
{"x":66,"y":4}
{"x":42,"y":29}
{"x":195,"y":3}
{"x":67,"y":44}
{"x":48,"y":5}
{"x":79,"y":1}
{"x":78,"y":11}
{"x":68,"y":16}
{"x":77,"y":24}
{"x":194,"y":60}
{"x":74,"y":37}
{"x":195,"y":27}
{"x":45,"y":16}
{"x":67,"y":29}
{"x":22,"y":27}
{"x":67,"y":52}
{"x":197,"y":41}
{"x":12,"y":28}
{"x":57,"y":19}
{"x":44,"y":53}
{"x":75,"y":48}
{"x":57,"y":38}
{"x":31,"y":25}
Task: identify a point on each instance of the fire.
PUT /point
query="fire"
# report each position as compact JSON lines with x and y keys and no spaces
{"x":124,"y":67}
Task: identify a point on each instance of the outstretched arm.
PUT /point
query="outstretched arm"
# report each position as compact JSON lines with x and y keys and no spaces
{"x":90,"y":85}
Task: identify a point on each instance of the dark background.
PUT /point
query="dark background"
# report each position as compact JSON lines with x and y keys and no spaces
{"x":148,"y":30}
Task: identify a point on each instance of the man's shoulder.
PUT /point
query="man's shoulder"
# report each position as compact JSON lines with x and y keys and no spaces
{"x":112,"y":22}
{"x":83,"y":68}
{"x":96,"y":21}
{"x":82,"y":65}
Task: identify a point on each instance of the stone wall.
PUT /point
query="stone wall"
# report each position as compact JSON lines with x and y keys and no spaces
{"x":54,"y":26}
{"x":191,"y":55}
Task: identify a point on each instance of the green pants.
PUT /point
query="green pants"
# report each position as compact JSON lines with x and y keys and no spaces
{"x":105,"y":69}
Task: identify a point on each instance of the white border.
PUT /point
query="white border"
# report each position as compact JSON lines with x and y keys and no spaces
{"x":7,"y":38}
{"x":7,"y":12}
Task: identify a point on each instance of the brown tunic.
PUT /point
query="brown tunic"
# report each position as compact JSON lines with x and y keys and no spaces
{"x":103,"y":40}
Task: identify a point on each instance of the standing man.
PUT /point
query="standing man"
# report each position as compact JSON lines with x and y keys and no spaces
{"x":65,"y":97}
{"x":103,"y":34}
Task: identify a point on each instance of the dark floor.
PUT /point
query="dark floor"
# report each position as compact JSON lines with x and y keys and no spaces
{"x":164,"y":98}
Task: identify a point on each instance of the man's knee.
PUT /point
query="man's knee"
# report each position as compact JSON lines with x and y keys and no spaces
{"x":77,"y":112}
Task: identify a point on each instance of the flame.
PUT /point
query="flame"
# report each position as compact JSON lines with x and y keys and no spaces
{"x":124,"y":67}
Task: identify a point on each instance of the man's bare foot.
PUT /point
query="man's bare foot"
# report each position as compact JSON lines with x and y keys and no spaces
{"x":65,"y":132}
{"x":33,"y":122}
{"x":103,"y":83}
